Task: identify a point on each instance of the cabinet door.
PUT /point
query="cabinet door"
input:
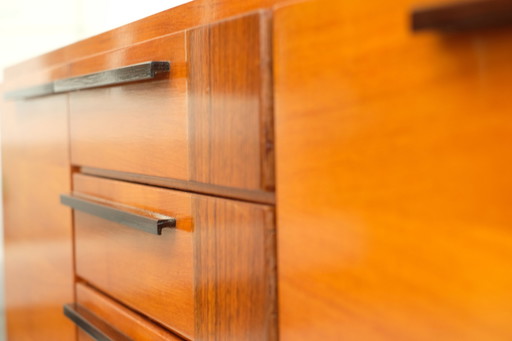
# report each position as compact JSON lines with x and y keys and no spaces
{"x":393,"y":176}
{"x":38,"y":243}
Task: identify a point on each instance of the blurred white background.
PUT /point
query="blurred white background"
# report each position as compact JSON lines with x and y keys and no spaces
{"x":32,"y":27}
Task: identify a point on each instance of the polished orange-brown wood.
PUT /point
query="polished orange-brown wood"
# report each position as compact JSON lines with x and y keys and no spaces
{"x":393,"y":176}
{"x":116,"y":315}
{"x":231,"y":103}
{"x":153,"y":274}
{"x":137,"y":128}
{"x":235,"y":271}
{"x":37,"y":229}
{"x":145,"y":128}
{"x":234,"y":295}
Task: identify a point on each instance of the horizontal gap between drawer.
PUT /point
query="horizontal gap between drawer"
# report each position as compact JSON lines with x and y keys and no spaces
{"x":181,"y":185}
{"x":81,"y":280}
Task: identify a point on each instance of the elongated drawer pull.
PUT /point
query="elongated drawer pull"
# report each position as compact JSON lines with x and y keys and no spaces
{"x":463,"y":15}
{"x":130,"y":216}
{"x":132,"y":73}
{"x":91,"y":324}
{"x":34,"y":91}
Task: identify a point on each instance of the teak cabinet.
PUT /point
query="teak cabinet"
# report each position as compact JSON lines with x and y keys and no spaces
{"x":265,"y":170}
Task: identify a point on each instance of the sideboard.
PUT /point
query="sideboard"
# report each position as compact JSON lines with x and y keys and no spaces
{"x":265,"y":170}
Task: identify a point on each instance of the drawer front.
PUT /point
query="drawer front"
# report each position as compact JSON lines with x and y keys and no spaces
{"x":138,"y":127}
{"x":151,"y":273}
{"x":212,"y":275}
{"x":208,"y":121}
{"x":119,"y":317}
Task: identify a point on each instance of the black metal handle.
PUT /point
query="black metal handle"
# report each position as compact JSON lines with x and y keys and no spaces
{"x":126,"y":74}
{"x":463,"y":15}
{"x":91,"y":324}
{"x":126,"y":215}
{"x":132,"y":73}
{"x":34,"y":91}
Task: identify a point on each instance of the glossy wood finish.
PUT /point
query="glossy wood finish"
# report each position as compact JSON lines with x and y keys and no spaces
{"x":152,"y":274}
{"x":37,"y":229}
{"x":233,"y":255}
{"x":226,"y":141}
{"x":393,"y":177}
{"x":138,"y":128}
{"x":235,"y":270}
{"x":128,"y":322}
{"x":192,"y":14}
{"x":143,"y":131}
{"x":463,"y":15}
{"x":231,"y":103}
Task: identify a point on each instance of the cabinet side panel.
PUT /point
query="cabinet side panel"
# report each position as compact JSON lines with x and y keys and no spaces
{"x":393,"y":182}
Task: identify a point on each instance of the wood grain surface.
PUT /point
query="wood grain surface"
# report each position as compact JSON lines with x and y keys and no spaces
{"x":126,"y":321}
{"x":234,"y":261}
{"x":393,"y":196}
{"x":150,"y":273}
{"x":235,"y":272}
{"x":145,"y":128}
{"x":230,"y":104}
{"x":37,"y":229}
{"x":140,"y":127}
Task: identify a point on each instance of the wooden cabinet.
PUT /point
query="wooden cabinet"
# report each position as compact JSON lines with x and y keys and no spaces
{"x":382,"y":214}
{"x":166,"y":149}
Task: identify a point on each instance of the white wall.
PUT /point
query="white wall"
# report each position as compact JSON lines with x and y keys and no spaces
{"x":32,"y":27}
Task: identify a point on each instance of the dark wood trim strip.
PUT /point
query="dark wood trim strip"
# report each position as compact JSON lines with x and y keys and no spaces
{"x":463,"y":16}
{"x":133,"y":217}
{"x":98,"y":329}
{"x":259,"y":197}
{"x":132,"y":73}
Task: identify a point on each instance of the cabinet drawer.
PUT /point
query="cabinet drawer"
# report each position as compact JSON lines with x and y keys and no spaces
{"x":124,"y":320}
{"x":152,"y":274}
{"x":208,"y":121}
{"x":215,"y":266}
{"x":139,"y":127}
